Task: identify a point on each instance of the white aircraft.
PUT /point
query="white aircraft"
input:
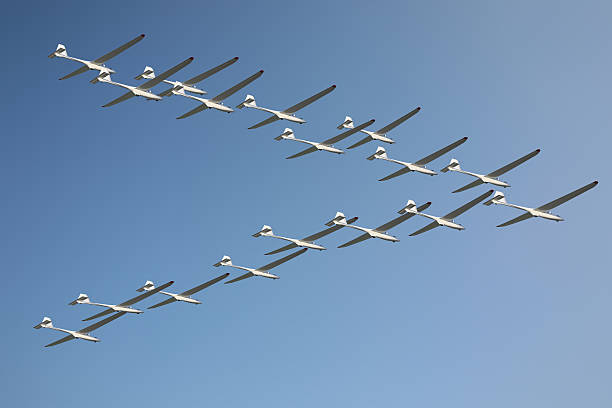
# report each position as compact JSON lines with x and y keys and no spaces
{"x":379,"y":232}
{"x":83,"y":299}
{"x":449,"y":219}
{"x":188,"y":85}
{"x":326,"y":145}
{"x":287,"y":114}
{"x":217,"y":101}
{"x":261,"y":271}
{"x":307,"y":242}
{"x":143,"y":90}
{"x":380,"y":134}
{"x":76,"y":334}
{"x":181,"y":297}
{"x":419,"y":165}
{"x":542,"y":211}
{"x":95,"y":65}
{"x":491,"y":178}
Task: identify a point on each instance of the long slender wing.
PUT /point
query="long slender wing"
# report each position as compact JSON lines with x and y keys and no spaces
{"x":398,"y":220}
{"x":62,"y":340}
{"x":74,"y":73}
{"x":146,"y":294}
{"x":210,"y":72}
{"x":101,"y":323}
{"x":122,"y":98}
{"x":362,"y":141}
{"x":226,"y":94}
{"x":360,"y":238}
{"x":567,"y":197}
{"x":327,"y":231}
{"x":152,"y":82}
{"x":347,"y":133}
{"x":310,"y":100}
{"x":401,"y":171}
{"x":523,"y":217}
{"x":440,"y":152}
{"x":425,"y":228}
{"x":195,"y":110}
{"x":271,"y":119}
{"x":281,"y":249}
{"x":165,"y":302}
{"x":303,"y":152}
{"x":512,"y":165}
{"x":282,"y":260}
{"x":98,"y":315}
{"x":118,"y":50}
{"x":241,"y":277}
{"x":467,"y":206}
{"x":468,"y":186}
{"x":204,"y":285}
{"x":398,"y":122}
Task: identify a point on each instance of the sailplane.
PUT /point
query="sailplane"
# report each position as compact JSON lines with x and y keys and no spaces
{"x":287,"y":114}
{"x":419,"y":165}
{"x":326,"y":145}
{"x":307,"y":242}
{"x":380,"y":134}
{"x":449,"y":219}
{"x":83,"y":299}
{"x":379,"y":232}
{"x":262,"y":270}
{"x":188,"y":85}
{"x":143,"y":90}
{"x":491,"y":178}
{"x":183,"y":296}
{"x":217,"y":101}
{"x":542,"y":211}
{"x":82,"y":334}
{"x":95,"y":65}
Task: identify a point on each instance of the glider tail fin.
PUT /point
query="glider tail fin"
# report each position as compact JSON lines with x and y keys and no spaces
{"x":339,"y":219}
{"x":347,"y":124}
{"x":146,"y":287}
{"x":225,"y":261}
{"x":249,"y":102}
{"x":60,"y":51}
{"x":287,"y":134}
{"x":380,"y":153}
{"x":148,"y":73}
{"x":46,"y":323}
{"x":498,"y":198}
{"x":103,"y":76}
{"x":453,"y":165}
{"x":265,"y":230}
{"x":409,"y":207}
{"x":83,"y":298}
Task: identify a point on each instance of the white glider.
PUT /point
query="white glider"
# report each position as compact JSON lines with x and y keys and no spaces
{"x":217,"y":101}
{"x":181,"y":297}
{"x":262,"y":270}
{"x":326,"y":145}
{"x":491,"y":178}
{"x":380,"y":232}
{"x":287,"y":114}
{"x":449,"y":219}
{"x":143,"y":90}
{"x":77,"y":334}
{"x":83,"y":299}
{"x":188,"y":85}
{"x":419,"y":165}
{"x":380,"y":134}
{"x":307,"y":242}
{"x":95,"y":65}
{"x":542,"y":211}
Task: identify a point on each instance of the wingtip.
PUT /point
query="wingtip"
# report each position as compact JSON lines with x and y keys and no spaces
{"x":236,"y":58}
{"x":142,"y":36}
{"x":418,"y":108}
{"x":190,"y":58}
{"x":538,"y":150}
{"x":428,"y":203}
{"x":596,"y":182}
{"x":465,"y":138}
{"x":261,"y":71}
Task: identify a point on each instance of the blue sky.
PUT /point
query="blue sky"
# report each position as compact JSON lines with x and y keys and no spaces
{"x":98,"y":200}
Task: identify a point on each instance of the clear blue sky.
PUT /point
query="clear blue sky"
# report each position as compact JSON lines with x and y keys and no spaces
{"x":98,"y":200}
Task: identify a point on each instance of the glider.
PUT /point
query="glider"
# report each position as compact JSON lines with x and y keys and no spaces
{"x":216,"y":102}
{"x":381,"y":232}
{"x":83,"y":299}
{"x":262,"y":270}
{"x":380,"y":134}
{"x":491,"y":178}
{"x":143,"y":90}
{"x":287,"y":114}
{"x":307,"y":242}
{"x":419,"y":165}
{"x":326,"y":145}
{"x":95,"y":65}
{"x":542,"y":211}
{"x":76,"y":334}
{"x":448,"y":219}
{"x":188,"y":85}
{"x":180,"y":297}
